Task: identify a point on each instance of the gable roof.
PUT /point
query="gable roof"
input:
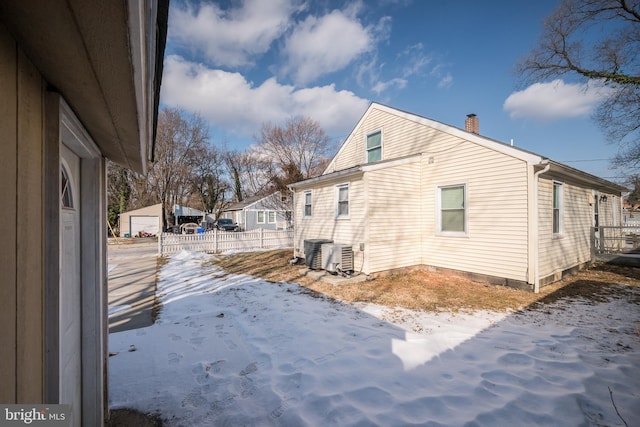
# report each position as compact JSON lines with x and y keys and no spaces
{"x":507,"y":149}
{"x":238,"y":206}
{"x":248,"y":202}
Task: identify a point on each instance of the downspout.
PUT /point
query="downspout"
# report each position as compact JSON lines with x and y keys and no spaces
{"x":536,"y":236}
{"x":293,"y":216}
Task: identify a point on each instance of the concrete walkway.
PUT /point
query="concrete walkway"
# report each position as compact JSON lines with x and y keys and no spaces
{"x":132,"y":268}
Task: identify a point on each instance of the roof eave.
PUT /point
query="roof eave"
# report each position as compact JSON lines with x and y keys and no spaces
{"x":333,"y":176}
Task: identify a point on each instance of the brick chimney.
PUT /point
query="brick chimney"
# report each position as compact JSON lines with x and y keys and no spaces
{"x":471,"y":124}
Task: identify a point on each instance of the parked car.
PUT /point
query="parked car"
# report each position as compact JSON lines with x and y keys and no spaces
{"x":189,"y":228}
{"x":226,"y":224}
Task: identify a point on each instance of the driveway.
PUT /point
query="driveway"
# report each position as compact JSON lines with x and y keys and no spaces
{"x":132,"y":283}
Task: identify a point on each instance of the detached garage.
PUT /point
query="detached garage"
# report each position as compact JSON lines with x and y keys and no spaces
{"x":146,"y":220}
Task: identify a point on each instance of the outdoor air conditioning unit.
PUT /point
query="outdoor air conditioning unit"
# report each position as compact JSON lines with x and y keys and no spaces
{"x":337,"y":257}
{"x":313,"y":252}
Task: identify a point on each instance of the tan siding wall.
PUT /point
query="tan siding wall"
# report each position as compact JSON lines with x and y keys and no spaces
{"x":324,"y":225}
{"x":395,"y":234}
{"x":22,"y":269}
{"x":606,"y":209}
{"x":573,"y":247}
{"x":497,"y":185}
{"x":496,"y":243}
{"x":8,"y":188}
{"x":400,"y":138}
{"x":497,"y":188}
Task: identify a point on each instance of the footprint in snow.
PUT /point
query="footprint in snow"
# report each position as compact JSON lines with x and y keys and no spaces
{"x":174,"y":358}
{"x":249,"y":369}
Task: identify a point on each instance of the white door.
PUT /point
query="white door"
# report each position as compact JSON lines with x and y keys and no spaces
{"x":70,"y":285}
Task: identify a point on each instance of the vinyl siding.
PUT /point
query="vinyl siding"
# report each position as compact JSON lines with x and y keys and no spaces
{"x":399,"y":226}
{"x":22,"y":228}
{"x":572,"y":247}
{"x":323,"y":223}
{"x":400,"y":138}
{"x":394,"y":233}
{"x":496,"y":186}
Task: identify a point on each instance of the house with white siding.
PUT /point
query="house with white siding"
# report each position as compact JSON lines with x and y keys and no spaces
{"x":271,"y":212}
{"x":405,"y":191}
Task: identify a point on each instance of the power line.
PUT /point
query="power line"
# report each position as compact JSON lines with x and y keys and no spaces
{"x":584,"y":160}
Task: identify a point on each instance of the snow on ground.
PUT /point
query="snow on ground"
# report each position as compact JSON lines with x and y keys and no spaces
{"x":240,"y":351}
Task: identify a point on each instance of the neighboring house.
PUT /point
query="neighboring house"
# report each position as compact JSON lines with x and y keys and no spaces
{"x":146,"y":220}
{"x":269,"y":212}
{"x":404,"y":190}
{"x":79,"y":81}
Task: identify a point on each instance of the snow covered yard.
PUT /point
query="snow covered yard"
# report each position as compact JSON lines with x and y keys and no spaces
{"x":240,"y":351}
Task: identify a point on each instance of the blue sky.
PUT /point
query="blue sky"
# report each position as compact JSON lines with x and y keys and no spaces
{"x":240,"y":64}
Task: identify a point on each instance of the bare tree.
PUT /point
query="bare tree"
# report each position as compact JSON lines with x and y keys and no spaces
{"x":596,"y":40}
{"x":294,"y":152}
{"x":250,"y":173}
{"x":209,"y":183}
{"x":298,"y":150}
{"x":119,"y":192}
{"x":180,"y":140}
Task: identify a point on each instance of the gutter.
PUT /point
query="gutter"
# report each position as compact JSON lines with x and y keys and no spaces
{"x":326,"y":178}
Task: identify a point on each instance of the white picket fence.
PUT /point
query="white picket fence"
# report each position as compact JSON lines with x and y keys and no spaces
{"x":220,"y":241}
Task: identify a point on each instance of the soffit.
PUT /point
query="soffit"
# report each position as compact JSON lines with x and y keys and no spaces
{"x":82,"y":50}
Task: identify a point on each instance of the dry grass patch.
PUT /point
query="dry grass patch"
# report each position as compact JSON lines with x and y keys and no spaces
{"x":424,"y":290}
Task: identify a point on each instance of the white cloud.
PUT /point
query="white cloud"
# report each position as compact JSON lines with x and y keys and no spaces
{"x":381,"y":86}
{"x":231,"y":37}
{"x":227,"y":100}
{"x":409,"y":63}
{"x":323,"y":45}
{"x":555,"y":100}
{"x":445,"y":81}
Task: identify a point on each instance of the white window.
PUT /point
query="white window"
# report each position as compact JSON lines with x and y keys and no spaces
{"x":558,"y":202}
{"x":342,"y":204}
{"x":307,"y":203}
{"x":452,"y":201}
{"x":272,"y":217}
{"x":374,"y":147}
{"x":260,"y":217}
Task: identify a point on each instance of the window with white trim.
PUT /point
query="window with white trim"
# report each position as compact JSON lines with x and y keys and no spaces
{"x":374,"y":147}
{"x":260,"y":217}
{"x":558,"y":202}
{"x":271,"y":216}
{"x":342,"y":202}
{"x":452,"y":213}
{"x":307,"y":203}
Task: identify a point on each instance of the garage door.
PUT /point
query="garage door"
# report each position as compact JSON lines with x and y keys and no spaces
{"x":147,"y":224}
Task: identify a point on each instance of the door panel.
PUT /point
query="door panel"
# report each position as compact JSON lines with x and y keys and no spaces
{"x":70,"y":284}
